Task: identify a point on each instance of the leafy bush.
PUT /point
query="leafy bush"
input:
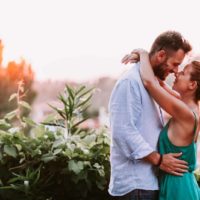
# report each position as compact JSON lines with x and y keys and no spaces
{"x":197,"y":175}
{"x":61,"y":161}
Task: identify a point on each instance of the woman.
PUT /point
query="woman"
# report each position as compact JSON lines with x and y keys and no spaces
{"x":180,"y":133}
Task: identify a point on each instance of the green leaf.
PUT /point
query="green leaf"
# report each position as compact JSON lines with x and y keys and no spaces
{"x":16,"y":178}
{"x":61,"y":97}
{"x":85,"y":93}
{"x":38,"y":175}
{"x":22,"y":160}
{"x":80,"y":89}
{"x":58,"y":142}
{"x":19,"y":147}
{"x":84,"y":101}
{"x":10,"y":150}
{"x":76,"y":167}
{"x":14,"y":130}
{"x":13,"y":96}
{"x":90,"y":139}
{"x":70,"y":107}
{"x":29,"y":121}
{"x":50,"y":118}
{"x":70,"y":91}
{"x":11,"y":115}
{"x":78,"y":123}
{"x":2,"y":132}
{"x":57,"y":151}
{"x":4,"y":124}
{"x":71,"y":146}
{"x":59,"y":111}
{"x":1,"y":155}
{"x":25,"y":105}
{"x":101,"y":184}
{"x":96,"y":165}
{"x":83,"y":109}
{"x":48,"y":157}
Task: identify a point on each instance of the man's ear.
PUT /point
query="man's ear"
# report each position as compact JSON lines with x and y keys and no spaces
{"x":161,"y":56}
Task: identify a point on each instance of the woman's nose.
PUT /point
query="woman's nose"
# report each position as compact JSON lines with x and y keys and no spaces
{"x":176,"y":74}
{"x":175,"y":70}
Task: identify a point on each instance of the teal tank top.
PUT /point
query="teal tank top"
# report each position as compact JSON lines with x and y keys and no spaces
{"x":179,"y":187}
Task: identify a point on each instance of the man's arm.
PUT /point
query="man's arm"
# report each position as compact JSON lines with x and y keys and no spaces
{"x":125,"y":109}
{"x":168,"y":162}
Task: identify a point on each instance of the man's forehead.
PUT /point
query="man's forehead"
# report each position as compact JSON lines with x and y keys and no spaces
{"x":178,"y":56}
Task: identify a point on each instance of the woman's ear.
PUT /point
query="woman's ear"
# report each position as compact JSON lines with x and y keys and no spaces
{"x":161,"y":56}
{"x":193,"y":85}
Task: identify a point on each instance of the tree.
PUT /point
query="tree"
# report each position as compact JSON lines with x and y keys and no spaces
{"x":10,"y":76}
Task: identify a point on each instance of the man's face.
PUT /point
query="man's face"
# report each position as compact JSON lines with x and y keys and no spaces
{"x":169,"y":65}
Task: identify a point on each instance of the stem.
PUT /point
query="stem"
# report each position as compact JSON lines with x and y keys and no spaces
{"x":19,"y":97}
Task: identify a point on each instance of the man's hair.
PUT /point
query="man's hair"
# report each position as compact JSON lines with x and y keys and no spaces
{"x":170,"y":41}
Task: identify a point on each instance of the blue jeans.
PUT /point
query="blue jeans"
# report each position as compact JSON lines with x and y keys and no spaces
{"x":140,"y":195}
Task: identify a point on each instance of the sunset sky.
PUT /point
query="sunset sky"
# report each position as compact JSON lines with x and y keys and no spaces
{"x":84,"y":39}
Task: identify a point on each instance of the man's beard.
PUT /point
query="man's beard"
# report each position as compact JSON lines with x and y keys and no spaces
{"x":160,"y":71}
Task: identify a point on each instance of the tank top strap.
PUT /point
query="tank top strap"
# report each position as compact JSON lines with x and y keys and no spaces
{"x":168,"y":122}
{"x":195,"y":123}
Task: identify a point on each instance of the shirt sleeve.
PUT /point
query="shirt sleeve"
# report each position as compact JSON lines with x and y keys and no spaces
{"x":125,"y":108}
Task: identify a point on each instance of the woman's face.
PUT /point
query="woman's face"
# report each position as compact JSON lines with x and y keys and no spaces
{"x":182,"y":80}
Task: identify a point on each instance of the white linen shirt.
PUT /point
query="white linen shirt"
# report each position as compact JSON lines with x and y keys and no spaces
{"x":135,"y":122}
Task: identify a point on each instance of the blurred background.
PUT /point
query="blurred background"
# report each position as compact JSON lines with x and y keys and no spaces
{"x":50,"y":43}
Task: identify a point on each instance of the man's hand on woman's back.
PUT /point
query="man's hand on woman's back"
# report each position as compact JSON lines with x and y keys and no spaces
{"x":173,"y":165}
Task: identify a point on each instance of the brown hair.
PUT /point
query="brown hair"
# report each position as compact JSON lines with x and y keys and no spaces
{"x":195,"y":76}
{"x":170,"y":41}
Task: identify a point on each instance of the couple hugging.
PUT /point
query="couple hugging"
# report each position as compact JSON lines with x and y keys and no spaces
{"x":141,"y":142}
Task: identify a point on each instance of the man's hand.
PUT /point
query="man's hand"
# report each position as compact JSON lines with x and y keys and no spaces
{"x":172,"y":165}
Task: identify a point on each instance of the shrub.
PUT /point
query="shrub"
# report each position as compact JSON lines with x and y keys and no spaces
{"x":62,"y":161}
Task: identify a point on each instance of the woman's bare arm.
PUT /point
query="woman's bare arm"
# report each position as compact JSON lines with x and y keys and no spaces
{"x":134,"y":58}
{"x":169,"y":89}
{"x":171,"y":104}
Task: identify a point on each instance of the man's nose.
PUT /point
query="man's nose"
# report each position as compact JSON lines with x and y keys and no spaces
{"x":175,"y":70}
{"x":176,"y":74}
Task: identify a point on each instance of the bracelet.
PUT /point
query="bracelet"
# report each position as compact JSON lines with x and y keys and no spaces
{"x":160,"y":160}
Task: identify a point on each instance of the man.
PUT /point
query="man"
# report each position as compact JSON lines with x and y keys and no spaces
{"x":136,"y":121}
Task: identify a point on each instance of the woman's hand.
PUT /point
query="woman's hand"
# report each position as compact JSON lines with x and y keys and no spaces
{"x":134,"y":56}
{"x":162,"y":83}
{"x":130,"y":58}
{"x":140,"y":52}
{"x":169,"y":89}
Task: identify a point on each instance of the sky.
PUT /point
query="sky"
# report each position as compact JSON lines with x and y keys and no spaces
{"x":85,"y":39}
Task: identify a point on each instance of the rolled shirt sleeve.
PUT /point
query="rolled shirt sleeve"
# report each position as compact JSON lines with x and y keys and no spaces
{"x":125,"y":109}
